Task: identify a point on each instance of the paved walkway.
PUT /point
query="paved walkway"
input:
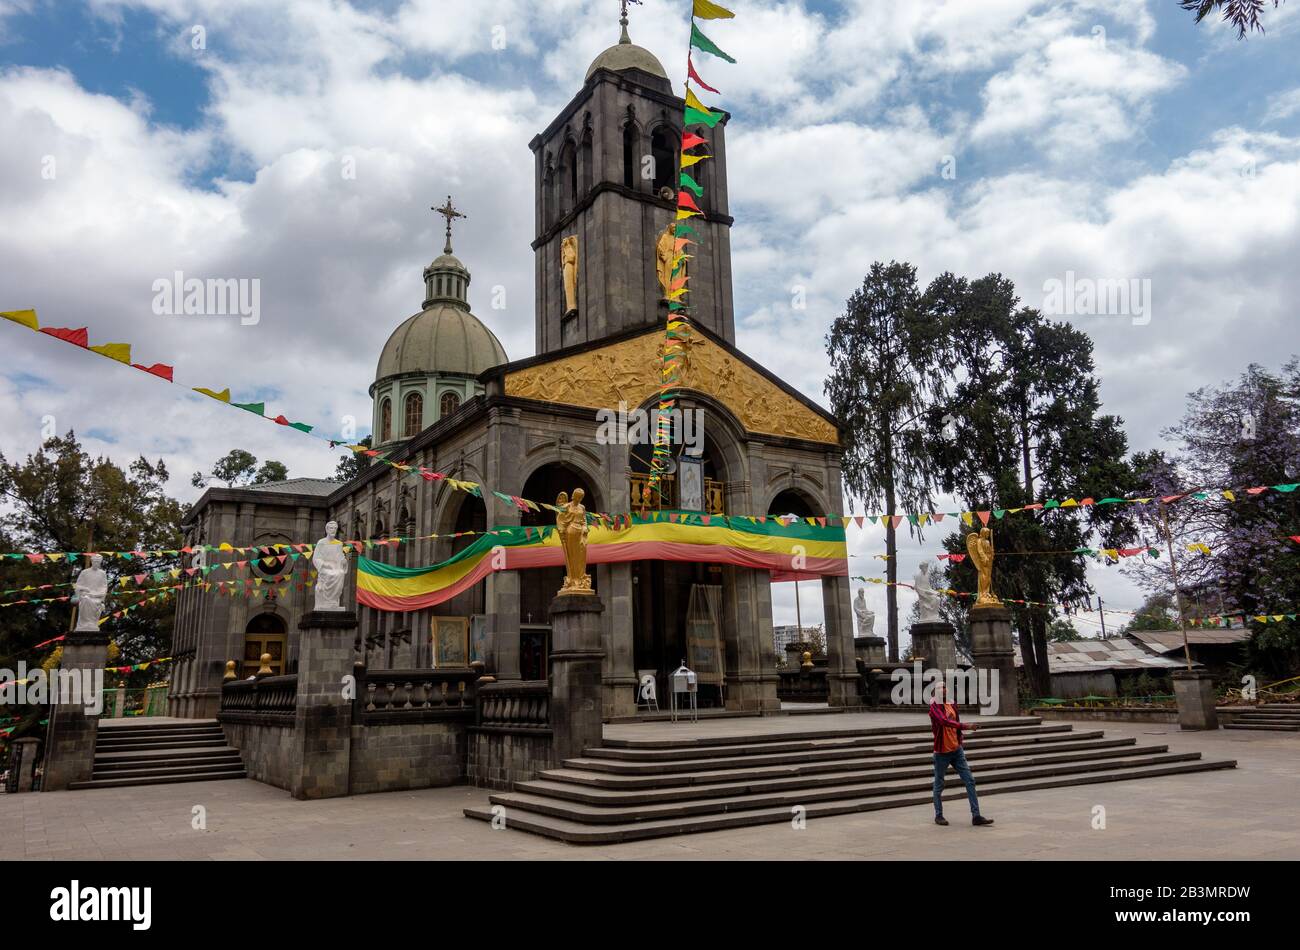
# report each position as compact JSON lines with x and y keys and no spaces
{"x":1251,"y":812}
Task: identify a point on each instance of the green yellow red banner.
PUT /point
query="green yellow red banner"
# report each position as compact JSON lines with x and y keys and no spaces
{"x":789,"y":552}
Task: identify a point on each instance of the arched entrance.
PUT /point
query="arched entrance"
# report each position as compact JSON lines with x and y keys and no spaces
{"x":676,"y":605}
{"x":809,"y":611}
{"x":537,"y":587}
{"x":265,"y":633}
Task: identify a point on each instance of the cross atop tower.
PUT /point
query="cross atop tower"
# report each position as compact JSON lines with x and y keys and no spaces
{"x":449,"y":212}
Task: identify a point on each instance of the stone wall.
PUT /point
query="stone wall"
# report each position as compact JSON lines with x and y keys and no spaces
{"x":268,"y":750}
{"x":393,"y":758}
{"x":499,"y":758}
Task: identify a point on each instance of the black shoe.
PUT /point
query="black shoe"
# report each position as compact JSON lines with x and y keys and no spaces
{"x":940,"y":820}
{"x":981,"y":820}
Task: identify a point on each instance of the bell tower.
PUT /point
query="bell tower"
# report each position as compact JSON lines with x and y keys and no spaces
{"x":605,"y":178}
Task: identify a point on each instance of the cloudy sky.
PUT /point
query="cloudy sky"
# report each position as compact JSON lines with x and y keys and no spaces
{"x":301,"y":143}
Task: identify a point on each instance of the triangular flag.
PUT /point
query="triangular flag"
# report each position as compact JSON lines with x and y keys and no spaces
{"x":711,"y":11}
{"x":702,"y":42}
{"x":75,"y":337}
{"x":28,"y":317}
{"x":157,"y":369}
{"x":695,"y":77}
{"x":223,"y":396}
{"x":114,"y":351}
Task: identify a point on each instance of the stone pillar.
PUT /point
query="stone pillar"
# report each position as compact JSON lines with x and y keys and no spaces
{"x":22,"y":758}
{"x":747,"y":624}
{"x":870,"y":650}
{"x":992,"y":649}
{"x":936,"y":642}
{"x":1194,"y":692}
{"x":576,"y":658}
{"x":70,"y":748}
{"x":841,"y":667}
{"x":323,"y":717}
{"x":619,"y":674}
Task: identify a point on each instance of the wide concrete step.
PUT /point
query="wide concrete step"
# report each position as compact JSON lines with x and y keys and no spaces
{"x":1266,"y":717}
{"x":116,"y":745}
{"x":815,"y":751}
{"x":879,"y":773}
{"x":1293,"y":708}
{"x":1266,"y":727}
{"x":855,"y":760}
{"x":168,"y":780}
{"x":579,"y":831}
{"x":143,"y":755}
{"x":617,"y":748}
{"x":225,"y":759}
{"x":162,"y":771}
{"x":862,"y":787}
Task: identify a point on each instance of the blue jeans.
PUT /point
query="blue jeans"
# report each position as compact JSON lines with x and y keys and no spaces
{"x":957,"y":760}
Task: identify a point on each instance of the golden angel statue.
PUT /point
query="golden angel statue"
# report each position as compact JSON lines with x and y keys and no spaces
{"x":980,"y":548}
{"x":665,"y":251}
{"x":571,"y":523}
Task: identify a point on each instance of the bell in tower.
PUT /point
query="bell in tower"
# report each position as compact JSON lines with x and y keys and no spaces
{"x":606,"y":172}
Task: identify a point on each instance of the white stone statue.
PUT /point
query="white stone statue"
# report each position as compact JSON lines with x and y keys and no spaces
{"x":89,"y":593}
{"x":331,"y":569}
{"x":866,"y":617}
{"x":926,"y":596}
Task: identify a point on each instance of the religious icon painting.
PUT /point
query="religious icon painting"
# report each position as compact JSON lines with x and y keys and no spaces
{"x":450,"y":642}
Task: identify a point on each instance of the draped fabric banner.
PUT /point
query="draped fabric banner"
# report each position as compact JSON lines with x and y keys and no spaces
{"x":792,"y":552}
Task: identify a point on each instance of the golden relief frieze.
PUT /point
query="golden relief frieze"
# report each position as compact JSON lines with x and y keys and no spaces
{"x":628,"y":372}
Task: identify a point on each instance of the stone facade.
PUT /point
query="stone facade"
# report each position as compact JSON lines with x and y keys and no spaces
{"x":500,"y":758}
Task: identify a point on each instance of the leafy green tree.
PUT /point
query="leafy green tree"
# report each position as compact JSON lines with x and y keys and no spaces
{"x":1244,"y":433}
{"x":271,"y":472}
{"x":887,"y":372}
{"x":239,"y":467}
{"x":353,"y":463}
{"x":61,"y":500}
{"x":1062,"y":631}
{"x":1243,"y":14}
{"x":1024,"y":422}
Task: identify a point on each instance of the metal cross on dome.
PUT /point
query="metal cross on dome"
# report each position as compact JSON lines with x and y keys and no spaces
{"x":449,"y":212}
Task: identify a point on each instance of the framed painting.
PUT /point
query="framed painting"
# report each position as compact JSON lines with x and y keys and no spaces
{"x":478,"y":637}
{"x":450,"y":642}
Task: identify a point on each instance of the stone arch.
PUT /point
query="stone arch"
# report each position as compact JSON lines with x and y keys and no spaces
{"x":722,"y":430}
{"x":665,"y":146}
{"x":632,"y":150}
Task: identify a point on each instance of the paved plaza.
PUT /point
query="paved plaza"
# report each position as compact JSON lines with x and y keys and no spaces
{"x":1251,"y":812}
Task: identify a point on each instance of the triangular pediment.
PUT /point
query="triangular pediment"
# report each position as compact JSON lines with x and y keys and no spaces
{"x":628,"y":370}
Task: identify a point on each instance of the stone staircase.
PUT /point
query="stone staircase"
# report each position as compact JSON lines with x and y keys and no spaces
{"x":634,"y":789}
{"x":146,"y":753}
{"x":1271,"y":717}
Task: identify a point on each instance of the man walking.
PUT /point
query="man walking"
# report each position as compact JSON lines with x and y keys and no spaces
{"x":946,"y":724}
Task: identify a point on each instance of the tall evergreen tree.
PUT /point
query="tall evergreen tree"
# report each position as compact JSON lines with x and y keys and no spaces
{"x":1024,"y":423}
{"x":887,"y":373}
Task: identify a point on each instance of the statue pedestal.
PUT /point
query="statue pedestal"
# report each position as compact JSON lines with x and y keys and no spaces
{"x":1194,"y":693}
{"x":322,"y":716}
{"x":936,"y":642}
{"x":870,"y":650}
{"x":70,"y":744}
{"x":992,"y":649}
{"x":576,"y":659}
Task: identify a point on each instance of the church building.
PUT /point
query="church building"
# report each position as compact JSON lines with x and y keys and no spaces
{"x":446,"y":396}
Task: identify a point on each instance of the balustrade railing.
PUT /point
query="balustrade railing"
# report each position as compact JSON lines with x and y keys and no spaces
{"x":515,"y":705}
{"x":406,"y":695}
{"x":270,"y":698}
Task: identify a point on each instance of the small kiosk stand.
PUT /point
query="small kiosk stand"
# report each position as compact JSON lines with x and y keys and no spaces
{"x":685,"y":682}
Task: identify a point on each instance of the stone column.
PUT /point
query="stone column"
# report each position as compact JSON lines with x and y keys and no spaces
{"x":70,"y":742}
{"x":936,"y":642}
{"x":619,"y":674}
{"x":576,"y":658}
{"x":23,"y":759}
{"x":1194,"y":692}
{"x":323,"y":717}
{"x":992,"y":649}
{"x":747,"y":623}
{"x":841,"y":667}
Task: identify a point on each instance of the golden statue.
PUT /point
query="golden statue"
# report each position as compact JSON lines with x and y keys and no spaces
{"x":980,"y":548}
{"x":571,"y":523}
{"x":569,"y":268}
{"x":665,"y":251}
